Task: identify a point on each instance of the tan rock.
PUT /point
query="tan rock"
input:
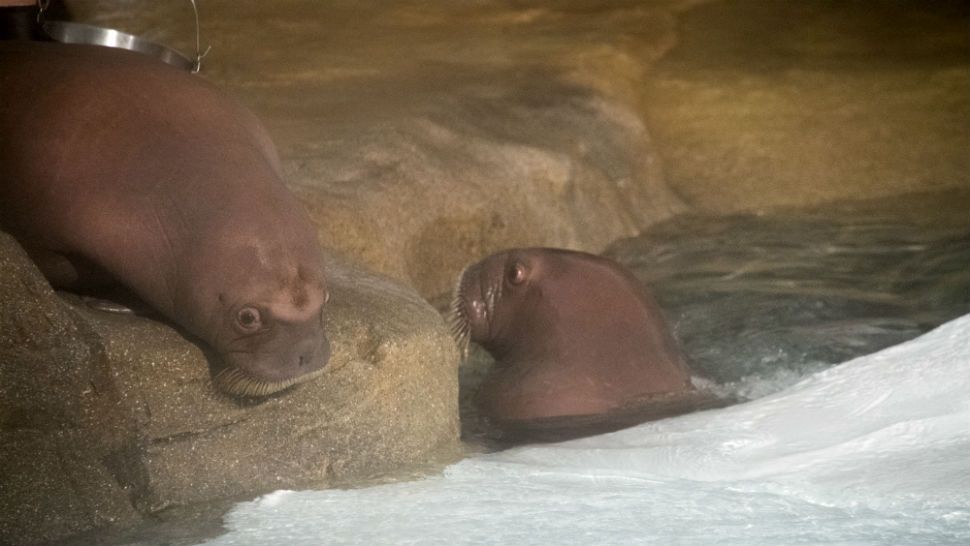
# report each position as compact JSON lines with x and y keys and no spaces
{"x":763,"y":105}
{"x":57,"y":422}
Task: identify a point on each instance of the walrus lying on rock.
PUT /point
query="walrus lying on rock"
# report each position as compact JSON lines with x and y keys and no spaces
{"x":115,"y":165}
{"x":580,"y":345}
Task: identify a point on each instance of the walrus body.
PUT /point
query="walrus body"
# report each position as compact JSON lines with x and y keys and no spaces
{"x":574,"y":336}
{"x":114,"y":164}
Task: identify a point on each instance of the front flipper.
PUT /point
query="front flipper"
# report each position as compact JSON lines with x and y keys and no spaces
{"x":96,"y":288}
{"x":68,"y":272}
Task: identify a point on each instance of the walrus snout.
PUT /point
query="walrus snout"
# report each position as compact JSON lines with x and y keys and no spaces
{"x":293,"y":357}
{"x":306,"y":357}
{"x":470,"y":309}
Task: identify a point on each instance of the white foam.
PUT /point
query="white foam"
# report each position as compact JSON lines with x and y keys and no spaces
{"x":874,"y":451}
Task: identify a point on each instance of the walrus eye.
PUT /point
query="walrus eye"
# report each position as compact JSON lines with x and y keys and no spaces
{"x":248,"y":319}
{"x":516,"y":274}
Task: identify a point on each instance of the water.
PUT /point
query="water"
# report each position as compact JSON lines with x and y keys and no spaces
{"x":872,"y":451}
{"x":760,"y":301}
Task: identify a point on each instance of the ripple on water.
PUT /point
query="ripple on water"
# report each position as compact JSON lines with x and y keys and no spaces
{"x":759,"y":302}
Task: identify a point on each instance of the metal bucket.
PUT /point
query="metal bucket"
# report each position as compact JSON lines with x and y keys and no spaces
{"x":81,"y":33}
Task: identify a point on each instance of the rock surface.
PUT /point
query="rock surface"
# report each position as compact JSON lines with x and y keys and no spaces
{"x":109,"y":418}
{"x":57,"y":423}
{"x":768,"y":104}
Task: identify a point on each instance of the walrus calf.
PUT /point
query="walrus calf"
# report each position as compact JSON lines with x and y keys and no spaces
{"x":115,"y":165}
{"x":575,"y":337}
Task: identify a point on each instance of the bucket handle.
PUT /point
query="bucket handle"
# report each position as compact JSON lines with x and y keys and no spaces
{"x":43,"y":5}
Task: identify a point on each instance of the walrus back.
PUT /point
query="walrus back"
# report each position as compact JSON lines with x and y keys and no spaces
{"x":108,"y":152}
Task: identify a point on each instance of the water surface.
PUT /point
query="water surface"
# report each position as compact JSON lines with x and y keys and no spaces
{"x":784,"y":294}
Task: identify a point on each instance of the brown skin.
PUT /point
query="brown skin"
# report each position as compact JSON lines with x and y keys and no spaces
{"x":115,"y":165}
{"x":572,"y":334}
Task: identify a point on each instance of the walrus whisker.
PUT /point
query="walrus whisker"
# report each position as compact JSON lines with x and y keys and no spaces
{"x":460,"y":328}
{"x":235,"y":381}
{"x":458,"y":318}
{"x":462,"y":339}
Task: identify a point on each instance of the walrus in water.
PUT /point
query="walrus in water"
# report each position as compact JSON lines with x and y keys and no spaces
{"x":114,"y":165}
{"x":580,"y":345}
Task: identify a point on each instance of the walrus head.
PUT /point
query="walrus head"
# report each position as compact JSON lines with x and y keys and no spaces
{"x":496,"y":300}
{"x":572,"y":334}
{"x":274,"y":342}
{"x":264,"y":312}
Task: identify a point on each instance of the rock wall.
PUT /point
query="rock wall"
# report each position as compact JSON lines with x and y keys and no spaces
{"x":763,"y":105}
{"x":57,"y":422}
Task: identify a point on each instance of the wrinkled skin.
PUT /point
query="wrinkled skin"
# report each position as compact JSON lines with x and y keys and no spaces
{"x":572,"y":334}
{"x":114,"y":165}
